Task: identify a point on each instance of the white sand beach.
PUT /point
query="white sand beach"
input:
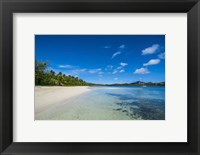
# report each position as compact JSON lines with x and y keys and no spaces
{"x":46,"y":96}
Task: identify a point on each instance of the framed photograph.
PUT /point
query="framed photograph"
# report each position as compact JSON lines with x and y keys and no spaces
{"x":97,"y":82}
{"x":85,"y":77}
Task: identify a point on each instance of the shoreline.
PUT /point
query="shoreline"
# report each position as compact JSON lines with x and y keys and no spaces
{"x":46,"y":96}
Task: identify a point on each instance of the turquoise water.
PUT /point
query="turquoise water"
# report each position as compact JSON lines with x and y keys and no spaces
{"x":138,"y":102}
{"x":111,"y":103}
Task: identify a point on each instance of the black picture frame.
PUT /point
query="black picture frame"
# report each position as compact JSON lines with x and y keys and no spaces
{"x":8,"y":7}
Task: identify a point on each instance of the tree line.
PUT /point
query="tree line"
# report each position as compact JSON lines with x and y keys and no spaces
{"x":45,"y":77}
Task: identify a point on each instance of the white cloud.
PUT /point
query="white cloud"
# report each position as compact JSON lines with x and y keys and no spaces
{"x":120,"y":50}
{"x":66,"y":66}
{"x":115,"y":54}
{"x":150,"y":50}
{"x":141,"y":71}
{"x":84,"y":70}
{"x":115,"y":71}
{"x":115,"y":78}
{"x":123,"y":64}
{"x":78,"y":71}
{"x":152,"y":62}
{"x":120,"y":67}
{"x":161,"y":55}
{"x":122,"y":46}
{"x":92,"y":71}
{"x":121,"y":71}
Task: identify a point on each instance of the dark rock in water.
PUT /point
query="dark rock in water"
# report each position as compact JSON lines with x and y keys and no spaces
{"x":118,"y":109}
{"x":147,"y":109}
{"x":124,"y":111}
{"x":150,"y":112}
{"x":120,"y":103}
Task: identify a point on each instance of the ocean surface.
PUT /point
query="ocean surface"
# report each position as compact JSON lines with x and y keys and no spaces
{"x":111,"y":103}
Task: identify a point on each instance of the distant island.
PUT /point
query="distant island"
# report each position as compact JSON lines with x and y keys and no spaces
{"x":139,"y":83}
{"x":44,"y":77}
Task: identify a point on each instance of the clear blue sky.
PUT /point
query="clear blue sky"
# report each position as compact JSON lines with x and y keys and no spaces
{"x":104,"y":58}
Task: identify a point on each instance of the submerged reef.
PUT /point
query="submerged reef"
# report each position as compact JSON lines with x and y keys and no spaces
{"x":141,"y":108}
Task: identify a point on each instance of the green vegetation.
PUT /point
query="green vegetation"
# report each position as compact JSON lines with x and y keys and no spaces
{"x":44,"y":77}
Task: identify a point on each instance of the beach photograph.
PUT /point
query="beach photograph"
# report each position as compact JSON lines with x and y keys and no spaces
{"x":99,"y":77}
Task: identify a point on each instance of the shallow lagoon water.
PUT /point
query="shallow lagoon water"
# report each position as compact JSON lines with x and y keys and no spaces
{"x":111,"y":103}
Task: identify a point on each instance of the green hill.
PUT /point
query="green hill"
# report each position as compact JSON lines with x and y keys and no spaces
{"x":139,"y":83}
